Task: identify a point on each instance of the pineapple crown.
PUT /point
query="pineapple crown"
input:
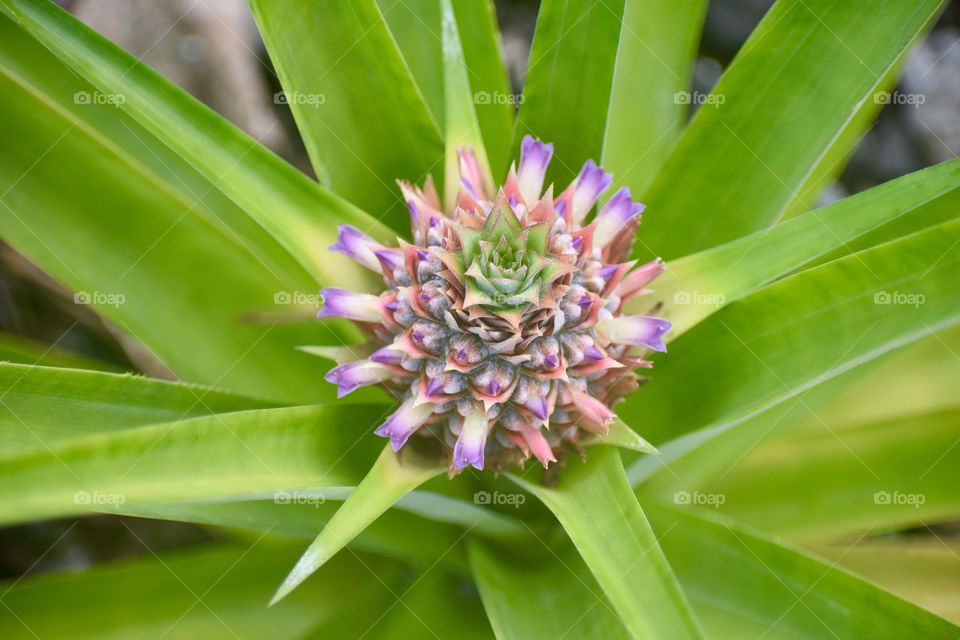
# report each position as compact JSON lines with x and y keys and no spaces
{"x":501,"y":330}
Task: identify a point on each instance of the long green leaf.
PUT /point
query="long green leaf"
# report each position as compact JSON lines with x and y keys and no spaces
{"x":20,"y":350}
{"x":389,"y":479}
{"x":561,"y":103}
{"x":211,"y":592}
{"x":848,"y":480}
{"x":597,"y":509}
{"x":362,"y":117}
{"x":398,"y":533}
{"x":793,"y":90}
{"x":922,"y":569}
{"x":40,"y":406}
{"x":794,"y":335}
{"x":297,"y":212}
{"x":696,"y":286}
{"x":417,"y":27}
{"x":237,"y":454}
{"x":493,"y":98}
{"x":538,"y":595}
{"x":648,"y":105}
{"x":744,"y":585}
{"x":461,"y":127}
{"x":136,"y":259}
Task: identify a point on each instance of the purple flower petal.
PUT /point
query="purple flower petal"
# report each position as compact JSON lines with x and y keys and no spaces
{"x":350,"y":376}
{"x":404,"y":422}
{"x":386,"y":355}
{"x":340,"y":303}
{"x":539,"y":406}
{"x":357,"y":245}
{"x":641,"y":331}
{"x":534,"y":159}
{"x":588,"y":186}
{"x":614,"y":216}
{"x":472,"y":440}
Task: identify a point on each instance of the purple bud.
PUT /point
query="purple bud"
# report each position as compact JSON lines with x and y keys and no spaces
{"x":551,"y":361}
{"x":539,"y":406}
{"x":592,"y":353}
{"x":494,"y":387}
{"x":578,"y":243}
{"x":404,"y":422}
{"x":607,"y":271}
{"x":435,"y":386}
{"x":641,"y":331}
{"x":353,"y":375}
{"x":386,"y":355}
{"x":585,"y":301}
{"x":389,"y":258}
{"x":615,"y":215}
{"x":472,"y":440}
{"x":340,"y":303}
{"x":588,"y":186}
{"x":357,"y":245}
{"x":534,"y":159}
{"x":560,"y":207}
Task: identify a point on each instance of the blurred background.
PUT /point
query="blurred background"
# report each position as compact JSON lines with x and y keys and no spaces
{"x":211,"y":48}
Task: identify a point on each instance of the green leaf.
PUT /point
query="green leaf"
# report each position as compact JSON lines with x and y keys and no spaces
{"x":922,"y":569}
{"x":210,"y":592}
{"x":20,"y":350}
{"x":297,"y":212}
{"x":389,"y":479}
{"x":493,"y":98}
{"x":398,"y":533}
{"x":794,"y":335}
{"x":696,"y":286}
{"x":363,"y":119}
{"x":596,"y":507}
{"x":41,"y":406}
{"x":561,"y":103}
{"x":849,"y":480}
{"x":462,"y":129}
{"x":658,"y":42}
{"x":786,"y":100}
{"x":137,"y":261}
{"x":237,"y":454}
{"x":620,"y":435}
{"x":434,"y":605}
{"x":539,"y":596}
{"x":745,"y":585}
